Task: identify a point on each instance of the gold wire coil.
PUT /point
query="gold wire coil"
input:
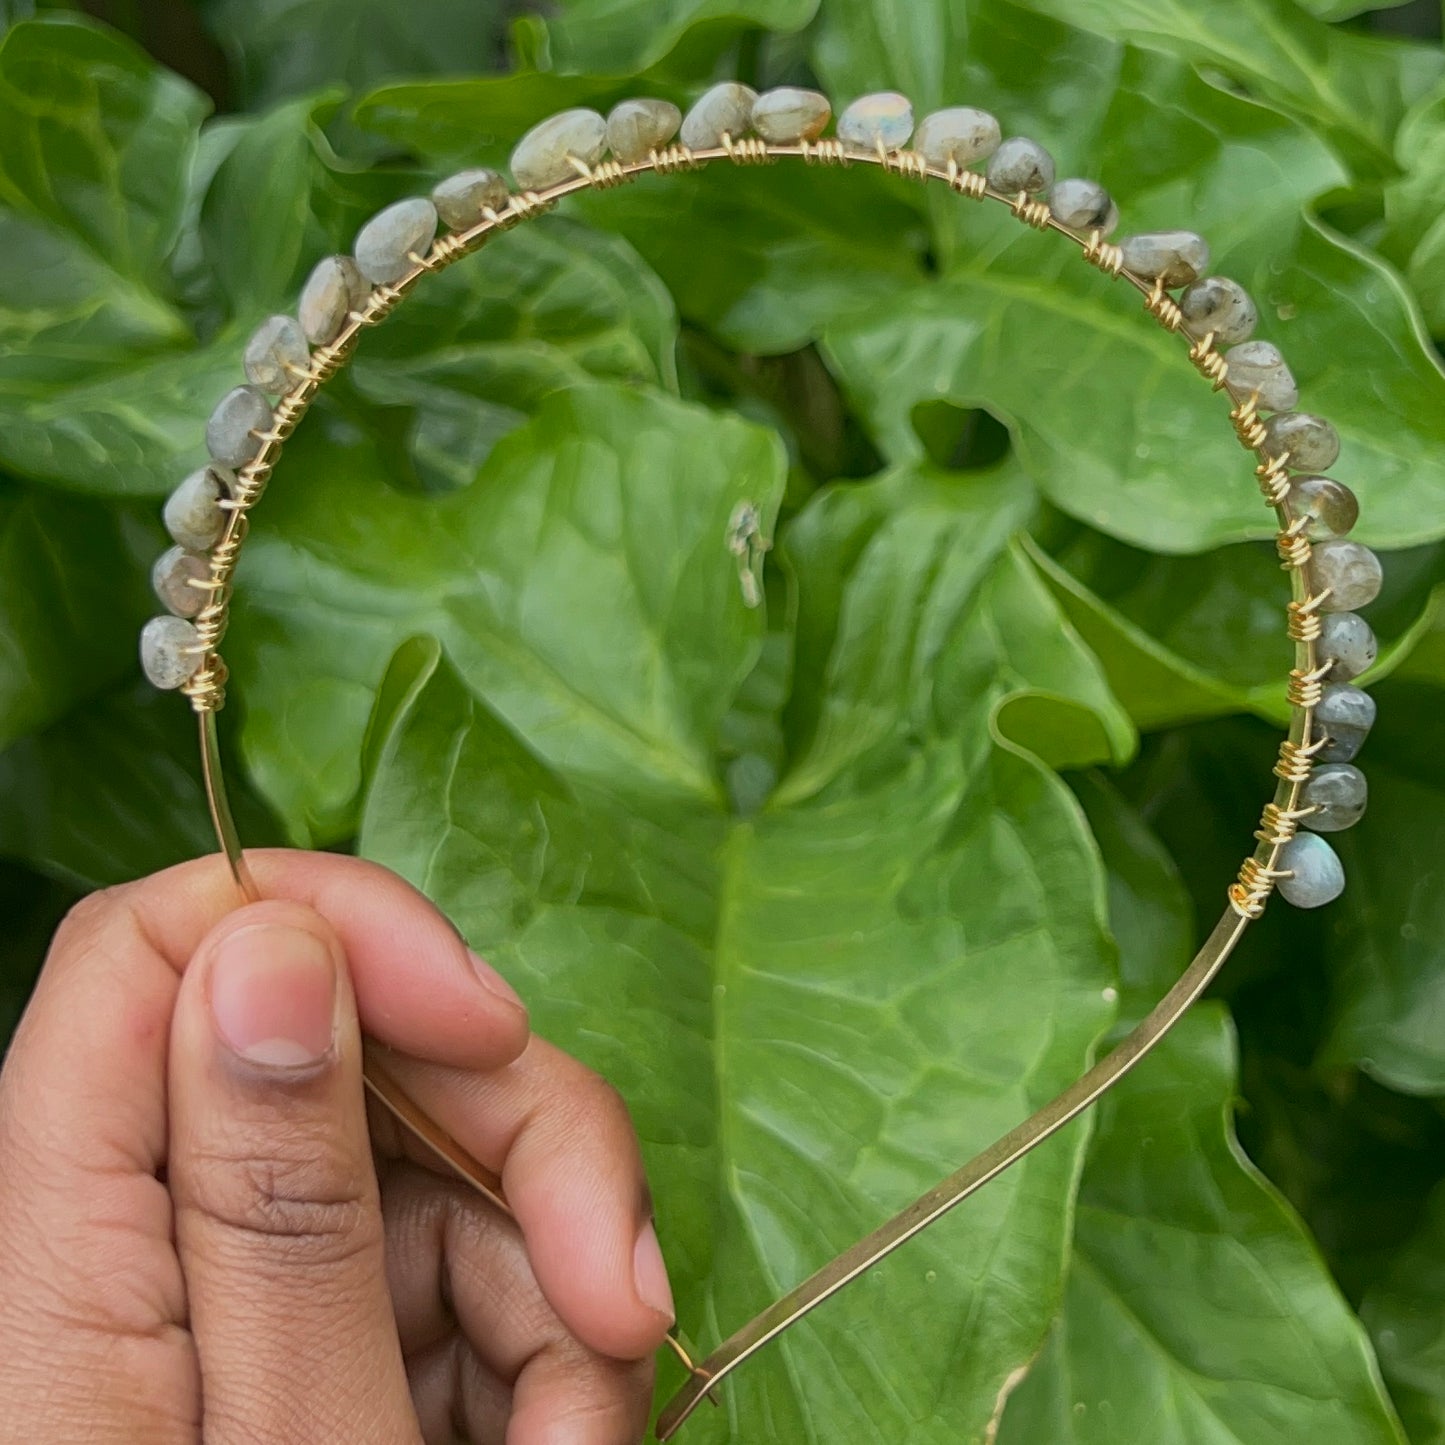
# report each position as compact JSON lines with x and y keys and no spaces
{"x":1164,"y":308}
{"x":1293,"y":546}
{"x":1307,"y":687}
{"x":906,"y":163}
{"x":1247,"y":425}
{"x":1209,"y":362}
{"x":1278,"y":825}
{"x":1031,"y":212}
{"x":972,"y":184}
{"x":1304,"y":623}
{"x":674,"y":158}
{"x":1101,"y":253}
{"x":1251,"y":892}
{"x":1296,"y":760}
{"x":749,"y":151}
{"x":829,"y":152}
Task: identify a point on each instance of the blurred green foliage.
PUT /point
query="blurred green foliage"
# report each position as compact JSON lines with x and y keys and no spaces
{"x":837,"y":889}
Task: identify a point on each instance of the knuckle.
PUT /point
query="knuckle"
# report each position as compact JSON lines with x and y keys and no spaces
{"x":297,"y":1204}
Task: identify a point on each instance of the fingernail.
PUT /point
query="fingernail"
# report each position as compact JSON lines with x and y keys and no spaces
{"x":273,"y":996}
{"x":493,"y":982}
{"x":650,"y":1274}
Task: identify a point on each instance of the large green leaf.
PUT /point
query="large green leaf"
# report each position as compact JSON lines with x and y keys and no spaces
{"x":582,"y":530}
{"x":1390,"y":992}
{"x":113,"y":791}
{"x":1197,"y":1308}
{"x":1017,"y":323}
{"x":72,"y":597}
{"x":1354,"y":87}
{"x":1406,"y":1316}
{"x":1414,"y":237}
{"x":624,"y":35}
{"x":284,"y":48}
{"x":817,"y":1009}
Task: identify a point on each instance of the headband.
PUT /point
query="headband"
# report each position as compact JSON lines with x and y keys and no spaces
{"x":290,"y":358}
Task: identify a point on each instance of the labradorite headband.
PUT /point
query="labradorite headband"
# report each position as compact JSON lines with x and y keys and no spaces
{"x":290,"y":358}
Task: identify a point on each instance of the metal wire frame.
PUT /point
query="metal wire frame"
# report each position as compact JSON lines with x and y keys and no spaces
{"x":1246,"y":897}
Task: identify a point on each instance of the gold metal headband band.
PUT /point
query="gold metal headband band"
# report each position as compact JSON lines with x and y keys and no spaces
{"x":1329,"y":576}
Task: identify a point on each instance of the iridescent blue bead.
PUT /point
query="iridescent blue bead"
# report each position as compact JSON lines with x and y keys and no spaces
{"x":1338,"y":793}
{"x":1344,"y":716}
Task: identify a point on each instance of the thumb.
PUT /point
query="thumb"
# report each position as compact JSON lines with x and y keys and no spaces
{"x":278,"y":1220}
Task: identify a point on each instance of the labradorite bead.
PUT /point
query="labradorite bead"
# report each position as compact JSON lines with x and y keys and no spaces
{"x":1257,"y":366}
{"x":1338,"y":793}
{"x":959,"y":134}
{"x":1332,"y":507}
{"x":1316,"y":874}
{"x":787,"y":115}
{"x":541,"y":158}
{"x":1351,"y":572}
{"x":386,"y":244}
{"x":726,"y":109}
{"x":332,"y":292}
{"x":275,"y":351}
{"x":636,"y":128}
{"x":464,"y":199}
{"x":1219,"y":305}
{"x":1312,"y":443}
{"x":1173,"y":257}
{"x":1020,"y":164}
{"x":884,"y":119}
{"x":1347,"y":641}
{"x":1345,"y":715}
{"x":232,"y":432}
{"x":172,"y":576}
{"x":170,"y":651}
{"x":193,"y":513}
{"x":1084,"y":206}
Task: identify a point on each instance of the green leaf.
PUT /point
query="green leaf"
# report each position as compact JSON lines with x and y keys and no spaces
{"x":929,"y":623}
{"x":1384,"y":948}
{"x":1414,"y":236}
{"x":626,"y":35}
{"x":476,"y":351}
{"x":96,"y":141}
{"x":72,"y":599}
{"x":113,"y":791}
{"x":1197,"y":1308}
{"x":584,"y":526}
{"x":1353,"y":86}
{"x":283,"y":48}
{"x":1406,"y":1316}
{"x":837,"y":957}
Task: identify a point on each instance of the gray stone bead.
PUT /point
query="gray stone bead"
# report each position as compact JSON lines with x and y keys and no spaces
{"x":1173,"y":257}
{"x":170,"y":651}
{"x":1333,"y":509}
{"x":332,"y":292}
{"x":883,"y":121}
{"x":959,"y":134}
{"x":1338,"y":793}
{"x":1351,"y":572}
{"x":464,"y":199}
{"x":787,"y":115}
{"x":1316,"y":874}
{"x":386,"y":244}
{"x":1084,"y":206}
{"x":1312,"y":443}
{"x":1348,"y":640}
{"x":1219,"y":305}
{"x":232,"y":433}
{"x":275,"y":352}
{"x":1257,"y":366}
{"x":1344,"y":716}
{"x":636,"y":128}
{"x":193,"y":513}
{"x":1020,"y":164}
{"x":542,"y":156}
{"x":172,"y":576}
{"x":726,"y":109}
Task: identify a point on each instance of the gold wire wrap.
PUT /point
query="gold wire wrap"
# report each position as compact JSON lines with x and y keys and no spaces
{"x":1246,"y":897}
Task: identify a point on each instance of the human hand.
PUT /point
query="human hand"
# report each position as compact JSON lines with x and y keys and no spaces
{"x":201,"y":1240}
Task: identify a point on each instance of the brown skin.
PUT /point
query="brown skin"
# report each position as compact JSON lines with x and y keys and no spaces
{"x":197,"y":1246}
